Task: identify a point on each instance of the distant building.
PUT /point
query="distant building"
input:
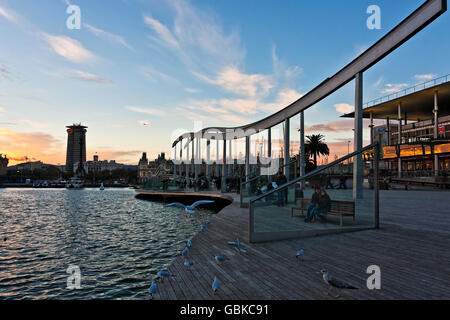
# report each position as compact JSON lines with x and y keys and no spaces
{"x":143,"y":168}
{"x":3,"y":164}
{"x":102,"y":165}
{"x":31,"y":165}
{"x":76,"y":150}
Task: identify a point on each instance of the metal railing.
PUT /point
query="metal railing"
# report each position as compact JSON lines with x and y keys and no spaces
{"x":375,"y":184}
{"x":404,"y":92}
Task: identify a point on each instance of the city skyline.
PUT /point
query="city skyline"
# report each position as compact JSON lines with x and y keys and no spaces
{"x":139,"y":71}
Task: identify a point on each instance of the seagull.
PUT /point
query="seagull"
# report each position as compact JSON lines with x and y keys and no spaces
{"x":188,"y":263}
{"x":300,"y":253}
{"x":189,"y":209}
{"x":189,"y":243}
{"x":334,"y":282}
{"x":237,"y":246}
{"x":185,"y":252}
{"x":164,"y":274}
{"x":215,"y":285}
{"x":153,"y":288}
{"x":220,"y":258}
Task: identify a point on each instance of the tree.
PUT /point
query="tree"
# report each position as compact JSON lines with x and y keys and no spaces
{"x":315,"y":146}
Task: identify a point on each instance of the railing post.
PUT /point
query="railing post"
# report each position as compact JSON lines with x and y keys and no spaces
{"x":251,"y":227}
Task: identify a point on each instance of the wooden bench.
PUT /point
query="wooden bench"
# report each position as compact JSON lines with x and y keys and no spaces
{"x":338,"y":208}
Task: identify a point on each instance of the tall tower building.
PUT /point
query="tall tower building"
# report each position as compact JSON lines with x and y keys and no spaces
{"x":76,"y":149}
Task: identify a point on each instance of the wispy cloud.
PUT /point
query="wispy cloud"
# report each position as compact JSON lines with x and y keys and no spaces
{"x":393,"y":88}
{"x":2,"y":110}
{"x":336,"y":126}
{"x":69,"y":48}
{"x":107,"y":35}
{"x":8,"y":14}
{"x":192,"y":90}
{"x":164,"y":34}
{"x":88,"y":77}
{"x":234,"y":81}
{"x":154,"y":75}
{"x":344,"y":108}
{"x":150,"y":111}
{"x":425,"y":77}
{"x":32,"y":123}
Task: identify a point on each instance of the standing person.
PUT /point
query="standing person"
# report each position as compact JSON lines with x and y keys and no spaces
{"x":281,"y":180}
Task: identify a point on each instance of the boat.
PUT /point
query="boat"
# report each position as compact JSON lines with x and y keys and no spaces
{"x":74,"y":183}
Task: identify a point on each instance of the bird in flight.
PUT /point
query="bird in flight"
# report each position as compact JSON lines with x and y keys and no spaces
{"x":189,"y":209}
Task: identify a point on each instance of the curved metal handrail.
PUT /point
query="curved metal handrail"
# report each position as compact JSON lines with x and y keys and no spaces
{"x":414,"y":23}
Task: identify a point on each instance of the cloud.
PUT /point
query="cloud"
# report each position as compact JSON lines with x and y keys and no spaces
{"x":164,"y":34}
{"x":2,"y":110}
{"x":150,"y":111}
{"x":8,"y":15}
{"x":336,"y":126}
{"x":69,"y":48}
{"x":393,"y":88}
{"x":378,"y":82}
{"x":344,"y":108}
{"x":425,"y":77}
{"x":109,"y":36}
{"x":234,"y":81}
{"x":192,"y":90}
{"x":32,"y":123}
{"x":88,"y":77}
{"x":34,"y":145}
{"x":151,"y":73}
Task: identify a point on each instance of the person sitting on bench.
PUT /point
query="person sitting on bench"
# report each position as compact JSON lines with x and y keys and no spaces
{"x":314,"y":203}
{"x":323,"y":207}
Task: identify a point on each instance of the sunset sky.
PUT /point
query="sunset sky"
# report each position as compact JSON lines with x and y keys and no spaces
{"x":140,"y":72}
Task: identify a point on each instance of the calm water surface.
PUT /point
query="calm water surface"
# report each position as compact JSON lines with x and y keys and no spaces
{"x":117,"y":241}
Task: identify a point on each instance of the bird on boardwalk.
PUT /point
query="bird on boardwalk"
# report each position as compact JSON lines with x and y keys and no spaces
{"x":215,"y":285}
{"x":164,"y":274}
{"x":188,"y":263}
{"x":189,"y":209}
{"x":334,"y":282}
{"x":237,"y":245}
{"x":300,"y":254}
{"x":220,"y":258}
{"x":189,"y":243}
{"x":153,"y":289}
{"x":185,"y":252}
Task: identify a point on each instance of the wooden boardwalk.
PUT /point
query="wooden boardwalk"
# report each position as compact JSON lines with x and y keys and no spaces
{"x":411,"y":248}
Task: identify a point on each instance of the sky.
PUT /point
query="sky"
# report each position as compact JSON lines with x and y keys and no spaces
{"x":139,"y":73}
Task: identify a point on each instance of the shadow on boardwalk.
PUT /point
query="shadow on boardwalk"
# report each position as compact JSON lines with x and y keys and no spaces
{"x":411,"y":248}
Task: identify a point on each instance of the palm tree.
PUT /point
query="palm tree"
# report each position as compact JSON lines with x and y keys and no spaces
{"x":315,"y":146}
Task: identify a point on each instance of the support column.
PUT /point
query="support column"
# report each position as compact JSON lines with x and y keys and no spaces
{"x":436,"y":131}
{"x":188,"y":165}
{"x":302,"y":148}
{"x":269,"y":149}
{"x":358,"y":138}
{"x":399,"y":137}
{"x":287,"y":154}
{"x":174,"y":160}
{"x":224,"y":167}
{"x":181,"y":158}
{"x":196,"y":161}
{"x":371,"y":128}
{"x":247,"y":158}
{"x":193,"y":157}
{"x":230,"y":158}
{"x":217,"y":158}
{"x":388,"y":131}
{"x":208,"y":158}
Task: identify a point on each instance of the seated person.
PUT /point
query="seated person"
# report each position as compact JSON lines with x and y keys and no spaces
{"x":314,"y":203}
{"x":323,"y":206}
